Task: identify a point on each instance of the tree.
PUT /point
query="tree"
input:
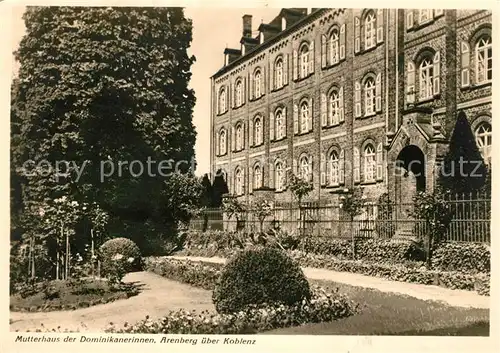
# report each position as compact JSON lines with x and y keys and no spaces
{"x":99,"y":87}
{"x":463,"y":170}
{"x":300,"y":188}
{"x":352,"y":203}
{"x":219,"y":188}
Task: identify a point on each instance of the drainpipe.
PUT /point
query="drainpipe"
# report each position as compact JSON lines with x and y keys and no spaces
{"x":386,"y":23}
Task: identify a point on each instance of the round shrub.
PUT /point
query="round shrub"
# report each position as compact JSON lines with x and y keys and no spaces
{"x":119,"y":252}
{"x":257,"y":276}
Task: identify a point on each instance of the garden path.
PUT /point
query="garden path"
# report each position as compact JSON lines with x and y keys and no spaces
{"x":453,"y":297}
{"x":158,"y":296}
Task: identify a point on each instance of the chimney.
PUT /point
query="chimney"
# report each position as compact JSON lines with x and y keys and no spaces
{"x":247,"y":25}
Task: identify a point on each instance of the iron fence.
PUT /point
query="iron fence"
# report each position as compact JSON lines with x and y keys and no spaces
{"x":470,"y":220}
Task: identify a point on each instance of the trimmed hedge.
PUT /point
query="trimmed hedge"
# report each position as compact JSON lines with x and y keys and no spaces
{"x":123,"y":247}
{"x":401,"y":273}
{"x":257,"y":276}
{"x":467,"y":257}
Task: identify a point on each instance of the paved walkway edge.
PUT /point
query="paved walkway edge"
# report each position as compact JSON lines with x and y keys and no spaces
{"x":459,"y":298}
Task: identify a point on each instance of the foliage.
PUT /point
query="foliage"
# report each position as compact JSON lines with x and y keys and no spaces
{"x":97,"y":86}
{"x":435,"y":211}
{"x":466,"y":257}
{"x":352,"y":202}
{"x":261,"y":208}
{"x":408,"y":272}
{"x":463,"y":167}
{"x":385,"y":227}
{"x":324,"y":306}
{"x":299,"y":187}
{"x":257,"y":276}
{"x":118,"y":257}
{"x":68,"y":295}
{"x":219,"y":188}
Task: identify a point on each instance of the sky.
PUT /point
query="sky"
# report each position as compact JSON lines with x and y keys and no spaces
{"x":214,"y":29}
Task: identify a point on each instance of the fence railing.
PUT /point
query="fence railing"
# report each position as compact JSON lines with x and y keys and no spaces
{"x":470,"y":220}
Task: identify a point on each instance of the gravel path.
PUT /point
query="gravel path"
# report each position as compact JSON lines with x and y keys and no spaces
{"x":158,"y":296}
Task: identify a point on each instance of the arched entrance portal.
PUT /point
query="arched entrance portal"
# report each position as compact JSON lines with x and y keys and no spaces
{"x":410,"y":177}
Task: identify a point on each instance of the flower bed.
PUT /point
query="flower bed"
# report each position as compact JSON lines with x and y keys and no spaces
{"x":68,"y":295}
{"x":324,"y":305}
{"x":466,"y":257}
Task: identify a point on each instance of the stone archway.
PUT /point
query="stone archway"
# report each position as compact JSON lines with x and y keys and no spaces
{"x":410,"y":178}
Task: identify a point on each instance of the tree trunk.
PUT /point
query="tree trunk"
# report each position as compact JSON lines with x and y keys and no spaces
{"x":33,"y":260}
{"x":29,"y":258}
{"x":92,"y":251}
{"x":67,"y":256}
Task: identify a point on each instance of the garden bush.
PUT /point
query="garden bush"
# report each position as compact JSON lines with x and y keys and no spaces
{"x":260,"y":275}
{"x":467,"y":257}
{"x":119,"y":256}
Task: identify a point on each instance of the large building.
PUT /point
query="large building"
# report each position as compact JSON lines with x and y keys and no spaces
{"x":347,"y":97}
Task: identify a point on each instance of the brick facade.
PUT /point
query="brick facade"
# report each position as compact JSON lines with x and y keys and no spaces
{"x":396,"y":121}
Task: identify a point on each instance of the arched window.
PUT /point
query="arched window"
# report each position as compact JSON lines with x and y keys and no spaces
{"x":484,"y":59}
{"x":222,"y":101}
{"x":238,"y":181}
{"x":425,"y":15}
{"x":258,"y":131}
{"x":426,"y":78}
{"x":333,"y":168}
{"x":304,"y":60}
{"x":257,"y":81}
{"x":304,"y":116}
{"x":369,"y":89}
{"x":334,"y":46}
{"x":222,"y":142}
{"x":334,"y":111}
{"x":280,"y":124}
{"x":278,"y":73}
{"x":370,"y":163}
{"x":239,"y":137}
{"x":257,"y":177}
{"x":370,"y":31}
{"x":239,"y":93}
{"x":305,"y":168}
{"x":279,"y":176}
{"x":483,"y":140}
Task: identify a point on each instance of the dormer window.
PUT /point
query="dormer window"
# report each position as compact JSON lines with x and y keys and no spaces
{"x":283,"y":23}
{"x":261,"y":37}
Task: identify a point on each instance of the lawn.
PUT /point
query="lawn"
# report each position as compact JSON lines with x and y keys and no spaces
{"x":395,"y":314}
{"x":69,"y":295}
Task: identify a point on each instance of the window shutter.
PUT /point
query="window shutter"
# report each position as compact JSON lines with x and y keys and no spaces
{"x":409,"y":19}
{"x":243,"y":90}
{"x":295,"y":65}
{"x":227,"y":98}
{"x":284,"y":125}
{"x":380,"y":159}
{"x":251,"y":132}
{"x":310,"y":116}
{"x":312,"y":57}
{"x":357,"y":35}
{"x":284,"y":176}
{"x":244,"y":181}
{"x":295,"y":119}
{"x":233,"y":138}
{"x":271,"y":126}
{"x":342,"y":42}
{"x":243,"y":135}
{"x":438,"y":12}
{"x":378,"y":93}
{"x":357,"y":99}
{"x":250,"y":180}
{"x":272,"y":183}
{"x":217,"y":144}
{"x":263,"y":82}
{"x":295,"y":169}
{"x":285,"y":69}
{"x":341,"y":167}
{"x":252,"y":89}
{"x":341,"y":98}
{"x":465,"y":63}
{"x":380,"y":26}
{"x":323,"y":51}
{"x":272,"y":73}
{"x":310,"y":168}
{"x":410,"y":83}
{"x":323,"y":110}
{"x":357,"y":176}
{"x":437,"y":74}
{"x":233,"y":94}
{"x":323,"y":170}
